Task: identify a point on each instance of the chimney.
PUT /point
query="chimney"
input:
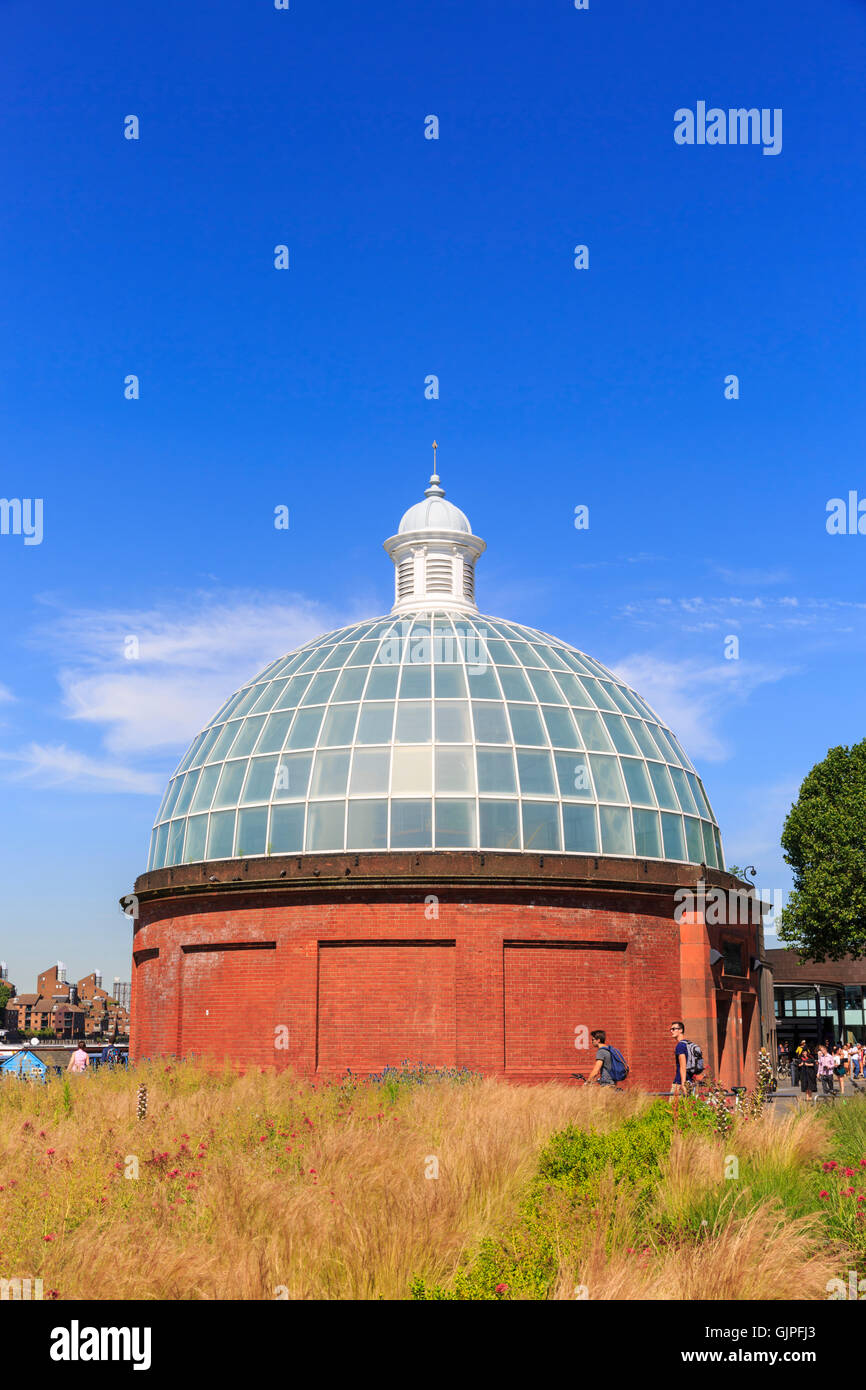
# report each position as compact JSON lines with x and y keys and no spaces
{"x":61,"y":973}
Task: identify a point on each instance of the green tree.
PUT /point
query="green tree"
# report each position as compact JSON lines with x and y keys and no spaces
{"x":5,"y":994}
{"x":824,"y":840}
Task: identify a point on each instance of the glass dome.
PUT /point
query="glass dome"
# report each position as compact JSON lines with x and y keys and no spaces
{"x":439,"y":731}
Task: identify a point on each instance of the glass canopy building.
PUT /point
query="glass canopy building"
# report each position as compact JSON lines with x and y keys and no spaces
{"x":435,"y":728}
{"x":441,"y":836}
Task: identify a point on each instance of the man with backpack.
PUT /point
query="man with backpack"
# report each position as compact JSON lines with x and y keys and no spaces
{"x":688,"y":1060}
{"x":610,"y":1065}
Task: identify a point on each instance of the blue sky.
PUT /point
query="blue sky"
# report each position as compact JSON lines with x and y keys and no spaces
{"x":305,"y":387}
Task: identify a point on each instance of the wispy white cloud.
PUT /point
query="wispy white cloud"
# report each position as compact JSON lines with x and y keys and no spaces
{"x":693,"y":697}
{"x":56,"y":765}
{"x":140,"y":684}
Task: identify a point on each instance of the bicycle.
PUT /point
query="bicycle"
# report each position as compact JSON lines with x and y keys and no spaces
{"x":611,"y":1085}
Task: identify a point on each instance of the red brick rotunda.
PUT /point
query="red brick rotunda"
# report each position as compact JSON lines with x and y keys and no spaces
{"x":442,"y":837}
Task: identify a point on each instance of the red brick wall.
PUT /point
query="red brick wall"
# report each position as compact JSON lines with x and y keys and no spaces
{"x":479,"y":1003}
{"x":382,"y":1004}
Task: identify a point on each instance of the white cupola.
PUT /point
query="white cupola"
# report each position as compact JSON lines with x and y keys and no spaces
{"x":434,"y":553}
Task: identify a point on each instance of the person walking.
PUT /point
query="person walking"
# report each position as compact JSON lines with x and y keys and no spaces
{"x":78,"y":1060}
{"x":808,"y":1073}
{"x":795,"y":1062}
{"x":688,"y":1060}
{"x":606,"y":1059}
{"x":841,"y":1059}
{"x":826,"y":1066}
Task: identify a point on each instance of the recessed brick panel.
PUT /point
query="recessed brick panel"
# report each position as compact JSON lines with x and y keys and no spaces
{"x":212,"y":983}
{"x":381,"y":1003}
{"x":553,"y":988}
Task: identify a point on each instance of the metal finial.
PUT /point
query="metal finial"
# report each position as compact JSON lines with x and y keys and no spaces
{"x":434,"y":490}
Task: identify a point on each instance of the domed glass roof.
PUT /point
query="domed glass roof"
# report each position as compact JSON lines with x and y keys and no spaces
{"x":435,"y":732}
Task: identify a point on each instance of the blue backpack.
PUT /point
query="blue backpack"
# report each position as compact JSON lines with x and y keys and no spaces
{"x":619,"y":1068}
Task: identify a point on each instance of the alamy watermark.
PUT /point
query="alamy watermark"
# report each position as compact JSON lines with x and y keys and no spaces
{"x":736,"y":126}
{"x":22,"y":516}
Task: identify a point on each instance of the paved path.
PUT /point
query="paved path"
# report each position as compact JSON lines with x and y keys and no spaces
{"x":787,"y":1098}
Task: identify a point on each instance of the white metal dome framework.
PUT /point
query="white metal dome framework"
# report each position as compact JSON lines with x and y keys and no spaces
{"x":438,"y":728}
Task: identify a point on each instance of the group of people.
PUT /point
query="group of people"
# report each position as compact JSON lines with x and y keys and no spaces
{"x":827,"y":1063}
{"x":610,"y":1066}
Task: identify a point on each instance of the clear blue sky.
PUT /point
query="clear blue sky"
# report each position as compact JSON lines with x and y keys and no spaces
{"x":305,"y":387}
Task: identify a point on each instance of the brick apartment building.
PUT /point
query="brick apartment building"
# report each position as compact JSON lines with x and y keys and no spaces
{"x":82,"y":1010}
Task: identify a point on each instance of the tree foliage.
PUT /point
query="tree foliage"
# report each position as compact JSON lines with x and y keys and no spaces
{"x":824,"y":841}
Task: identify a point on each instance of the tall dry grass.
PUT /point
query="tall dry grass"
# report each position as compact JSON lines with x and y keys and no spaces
{"x":260,"y":1186}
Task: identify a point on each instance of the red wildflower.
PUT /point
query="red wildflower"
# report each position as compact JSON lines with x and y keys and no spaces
{"x":502,"y":1288}
{"x":823,"y":1194}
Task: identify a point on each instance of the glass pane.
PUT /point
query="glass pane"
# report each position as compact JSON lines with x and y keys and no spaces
{"x":592,"y":731}
{"x":246,"y":739}
{"x":573,"y":775}
{"x":268,"y":697}
{"x":642,"y":738}
{"x":615,"y":830}
{"x":368,"y":825}
{"x":483,"y":684}
{"x":579,"y":828}
{"x":694,"y":840}
{"x":618,"y":730}
{"x":415,"y":683}
{"x":229,"y":790}
{"x":260,"y":779}
{"x":455,"y":770}
{"x":371,"y":768}
{"x":414,"y":722}
{"x":598,"y":693}
{"x":514,"y":684}
{"x":189,"y":786}
{"x":545,"y":687}
{"x":412,"y":770}
{"x":540,"y":825}
{"x":330,"y":774}
{"x":500,"y":653}
{"x":174,"y":852}
{"x":205,"y":789}
{"x":382,"y":684}
{"x":196,"y":839}
{"x":161,"y":842}
{"x":499,"y":825}
{"x":351,"y":683}
{"x":293,"y":693}
{"x":452,"y":721}
{"x":496,"y":770}
{"x":287,"y":830}
{"x":683,"y":790}
{"x":176,"y":788}
{"x":609,"y":785}
{"x":709,"y":845}
{"x":573,"y":690}
{"x":450,"y":683}
{"x":305,"y":729}
{"x":325,"y":825}
{"x":664,"y":787}
{"x":363,"y":654}
{"x":672,"y":834}
{"x":224,"y":742}
{"x":320,"y":688}
{"x":647,"y":839}
{"x":455,"y":824}
{"x":339,"y":725}
{"x":526,"y":725}
{"x":560,"y":727}
{"x":490,"y":723}
{"x":699,"y":795}
{"x":536,"y":773}
{"x":252,"y":831}
{"x":221,"y":835}
{"x":274,"y":734}
{"x":637,"y":781}
{"x":411,"y":824}
{"x":375,"y":724}
{"x":292,"y":776}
